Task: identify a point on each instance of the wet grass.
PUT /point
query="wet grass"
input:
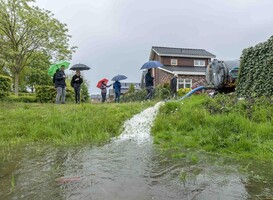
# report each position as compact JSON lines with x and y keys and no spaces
{"x":223,"y":125}
{"x":67,"y":124}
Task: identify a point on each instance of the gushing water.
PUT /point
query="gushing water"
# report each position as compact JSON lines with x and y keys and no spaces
{"x":138,"y":128}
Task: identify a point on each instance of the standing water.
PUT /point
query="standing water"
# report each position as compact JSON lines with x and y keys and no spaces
{"x":127,"y":168}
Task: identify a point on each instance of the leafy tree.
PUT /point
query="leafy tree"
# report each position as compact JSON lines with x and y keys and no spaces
{"x":26,"y":30}
{"x":36,"y":73}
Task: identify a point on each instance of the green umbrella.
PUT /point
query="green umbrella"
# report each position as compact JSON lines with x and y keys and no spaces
{"x":52,"y":69}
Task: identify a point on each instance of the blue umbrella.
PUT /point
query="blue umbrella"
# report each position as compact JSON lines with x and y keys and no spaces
{"x":152,"y":64}
{"x":119,"y":78}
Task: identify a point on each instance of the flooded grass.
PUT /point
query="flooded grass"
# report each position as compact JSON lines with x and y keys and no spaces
{"x":63,"y":124}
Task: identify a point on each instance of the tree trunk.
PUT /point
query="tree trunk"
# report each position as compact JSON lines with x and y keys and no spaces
{"x":16,"y":83}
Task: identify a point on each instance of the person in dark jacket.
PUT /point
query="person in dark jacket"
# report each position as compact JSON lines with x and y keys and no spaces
{"x":117,"y":88}
{"x":76,"y":82}
{"x":173,"y":86}
{"x":103,"y":88}
{"x":149,"y":84}
{"x":60,"y":85}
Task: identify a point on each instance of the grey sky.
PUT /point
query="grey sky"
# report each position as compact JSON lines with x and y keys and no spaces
{"x":116,"y":36}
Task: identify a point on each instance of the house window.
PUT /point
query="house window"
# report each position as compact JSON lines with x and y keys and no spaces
{"x":184,"y":83}
{"x":199,"y":63}
{"x":173,"y":61}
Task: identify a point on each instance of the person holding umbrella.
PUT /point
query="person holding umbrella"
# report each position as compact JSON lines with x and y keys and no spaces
{"x":117,"y":88}
{"x":103,"y":88}
{"x":149,"y":79}
{"x":60,"y":85}
{"x":149,"y":84}
{"x":76,"y":82}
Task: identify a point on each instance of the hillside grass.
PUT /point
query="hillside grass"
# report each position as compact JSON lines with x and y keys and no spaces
{"x":222,"y":125}
{"x":67,"y":124}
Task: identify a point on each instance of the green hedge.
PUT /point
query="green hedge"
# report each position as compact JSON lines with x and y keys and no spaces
{"x":256,"y":71}
{"x":5,"y":85}
{"x":25,"y":98}
{"x":47,"y":94}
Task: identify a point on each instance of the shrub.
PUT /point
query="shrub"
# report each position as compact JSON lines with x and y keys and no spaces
{"x":23,"y":98}
{"x":138,"y":95}
{"x":47,"y":94}
{"x":84,"y":93}
{"x":183,"y":91}
{"x":5,"y":86}
{"x":160,"y":92}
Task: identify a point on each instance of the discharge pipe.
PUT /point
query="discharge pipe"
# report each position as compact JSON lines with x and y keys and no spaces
{"x":192,"y":92}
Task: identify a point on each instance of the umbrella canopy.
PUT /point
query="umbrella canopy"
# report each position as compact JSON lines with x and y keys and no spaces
{"x":105,"y":80}
{"x":152,"y":64}
{"x":52,"y":69}
{"x":80,"y":67}
{"x":119,"y":78}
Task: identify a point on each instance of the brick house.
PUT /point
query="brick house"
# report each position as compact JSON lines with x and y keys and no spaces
{"x":189,"y":64}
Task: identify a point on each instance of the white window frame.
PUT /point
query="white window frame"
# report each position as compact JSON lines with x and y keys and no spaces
{"x":199,"y":63}
{"x":173,"y":61}
{"x":184,"y":83}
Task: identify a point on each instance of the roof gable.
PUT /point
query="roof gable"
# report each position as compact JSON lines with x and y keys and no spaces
{"x":182,"y":52}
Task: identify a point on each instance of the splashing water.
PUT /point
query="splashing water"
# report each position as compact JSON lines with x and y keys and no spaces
{"x":138,"y":128}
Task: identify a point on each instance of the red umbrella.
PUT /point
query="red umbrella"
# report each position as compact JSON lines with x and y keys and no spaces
{"x":105,"y":80}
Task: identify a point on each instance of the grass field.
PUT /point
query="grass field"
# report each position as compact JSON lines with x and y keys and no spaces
{"x":66,"y":124}
{"x":224,"y":125}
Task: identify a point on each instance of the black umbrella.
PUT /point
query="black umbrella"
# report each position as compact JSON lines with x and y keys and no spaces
{"x":119,"y":78}
{"x":80,"y":67}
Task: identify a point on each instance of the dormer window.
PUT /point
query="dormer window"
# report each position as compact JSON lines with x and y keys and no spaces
{"x":173,"y":61}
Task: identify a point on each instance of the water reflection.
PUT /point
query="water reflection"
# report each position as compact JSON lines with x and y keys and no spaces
{"x":122,"y":171}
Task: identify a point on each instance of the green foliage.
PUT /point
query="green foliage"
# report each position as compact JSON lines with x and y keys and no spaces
{"x":160,"y":92}
{"x":26,"y":30}
{"x":131,"y":89}
{"x":183,"y":91}
{"x":85,"y":97}
{"x":66,"y":124}
{"x":138,"y":95}
{"x":47,"y":94}
{"x":224,"y":124}
{"x":24,"y":98}
{"x":255,"y":109}
{"x":256,"y":71}
{"x":36,"y":73}
{"x":5,"y":86}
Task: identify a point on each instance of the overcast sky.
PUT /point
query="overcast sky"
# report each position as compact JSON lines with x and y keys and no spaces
{"x":116,"y":36}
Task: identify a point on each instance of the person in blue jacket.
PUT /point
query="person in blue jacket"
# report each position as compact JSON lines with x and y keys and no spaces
{"x":60,"y":85}
{"x":117,"y":88}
